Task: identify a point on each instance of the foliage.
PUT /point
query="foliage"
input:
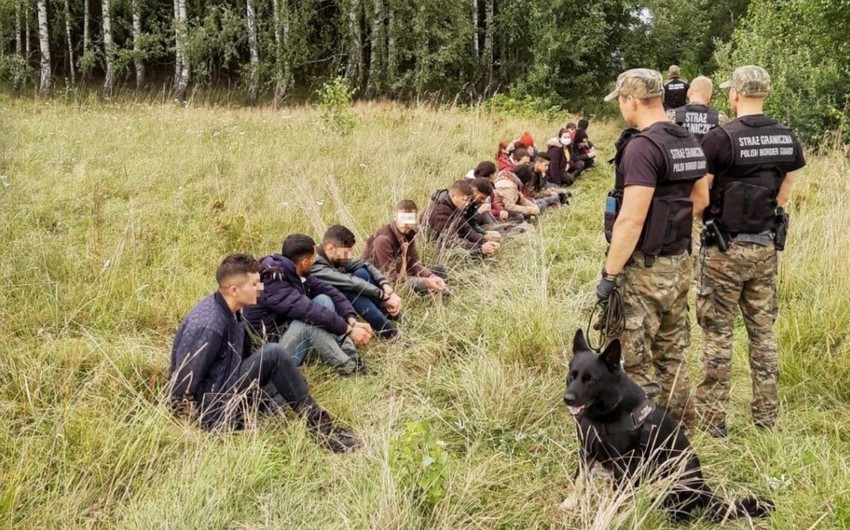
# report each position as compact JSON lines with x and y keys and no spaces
{"x":526,"y":106}
{"x":810,"y":77}
{"x":334,"y":100}
{"x":421,"y":462}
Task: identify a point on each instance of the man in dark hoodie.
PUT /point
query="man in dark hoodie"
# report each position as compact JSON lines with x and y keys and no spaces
{"x":361,"y":282}
{"x":213,"y":370}
{"x":304,"y":313}
{"x":447,"y":225}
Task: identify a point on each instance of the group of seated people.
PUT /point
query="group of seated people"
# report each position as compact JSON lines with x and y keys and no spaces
{"x":242,"y":345}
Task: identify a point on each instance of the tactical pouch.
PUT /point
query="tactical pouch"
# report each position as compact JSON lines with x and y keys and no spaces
{"x":747,"y":208}
{"x":781,"y":233}
{"x":612,"y":209}
{"x":656,"y":226}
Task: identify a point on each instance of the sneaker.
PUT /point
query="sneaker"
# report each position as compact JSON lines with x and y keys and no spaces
{"x":323,"y":427}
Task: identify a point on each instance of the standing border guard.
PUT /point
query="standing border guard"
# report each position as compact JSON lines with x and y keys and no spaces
{"x":660,"y":182}
{"x":751,"y":164}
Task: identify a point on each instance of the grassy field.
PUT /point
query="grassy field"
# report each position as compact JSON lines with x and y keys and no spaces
{"x":113,"y":219}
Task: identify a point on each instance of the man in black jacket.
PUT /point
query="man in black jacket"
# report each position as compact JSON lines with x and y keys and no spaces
{"x":213,"y":369}
{"x":304,"y":313}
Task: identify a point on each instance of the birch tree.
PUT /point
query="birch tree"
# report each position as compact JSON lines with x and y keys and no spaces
{"x":489,"y":38}
{"x":392,"y":48}
{"x":138,"y":60}
{"x":354,"y":69}
{"x":19,"y":52}
{"x":253,"y":80}
{"x":109,"y":52}
{"x":180,"y":45}
{"x":72,"y":71}
{"x":281,"y":22}
{"x":46,"y":73}
{"x":374,"y":84}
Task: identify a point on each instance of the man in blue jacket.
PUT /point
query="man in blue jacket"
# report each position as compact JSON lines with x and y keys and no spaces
{"x":304,"y":313}
{"x":213,"y":370}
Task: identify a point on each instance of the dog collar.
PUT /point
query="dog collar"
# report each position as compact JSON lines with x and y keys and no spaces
{"x":632,"y":421}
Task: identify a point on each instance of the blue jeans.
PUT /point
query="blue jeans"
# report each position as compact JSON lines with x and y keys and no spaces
{"x":370,"y":310}
{"x":299,"y":338}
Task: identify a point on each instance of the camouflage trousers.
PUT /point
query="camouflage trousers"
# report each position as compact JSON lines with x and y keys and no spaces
{"x":657,"y":329}
{"x":744,"y":276}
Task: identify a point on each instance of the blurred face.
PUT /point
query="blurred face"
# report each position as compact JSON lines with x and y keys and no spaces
{"x":460,"y":201}
{"x":478,"y":198}
{"x":303,"y":265}
{"x":338,"y":255}
{"x":406,"y":222}
{"x":244,"y":288}
{"x":524,"y":160}
{"x":541,"y":166}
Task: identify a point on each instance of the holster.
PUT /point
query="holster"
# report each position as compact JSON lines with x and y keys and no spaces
{"x":781,"y":231}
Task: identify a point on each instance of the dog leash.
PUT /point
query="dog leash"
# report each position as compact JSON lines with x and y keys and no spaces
{"x":611,"y":320}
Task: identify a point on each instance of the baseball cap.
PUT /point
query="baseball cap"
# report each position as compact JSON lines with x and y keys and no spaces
{"x":750,"y":80}
{"x":640,"y":83}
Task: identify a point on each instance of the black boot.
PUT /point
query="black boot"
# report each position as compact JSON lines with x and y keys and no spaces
{"x":360,"y":368}
{"x":323,"y":427}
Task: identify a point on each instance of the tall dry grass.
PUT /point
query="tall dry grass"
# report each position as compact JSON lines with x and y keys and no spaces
{"x":113,"y":219}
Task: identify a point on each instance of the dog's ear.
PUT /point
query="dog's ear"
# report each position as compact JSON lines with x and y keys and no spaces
{"x":579,"y":344}
{"x":612,"y":355}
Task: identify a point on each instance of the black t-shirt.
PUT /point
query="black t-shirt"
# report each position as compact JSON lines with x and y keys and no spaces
{"x":675,"y":94}
{"x":720,"y":156}
{"x":642,"y":162}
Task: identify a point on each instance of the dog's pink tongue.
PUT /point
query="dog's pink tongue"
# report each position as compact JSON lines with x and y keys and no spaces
{"x":575,"y":411}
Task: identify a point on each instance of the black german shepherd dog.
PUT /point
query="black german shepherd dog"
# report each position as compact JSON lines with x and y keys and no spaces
{"x":625,"y":432}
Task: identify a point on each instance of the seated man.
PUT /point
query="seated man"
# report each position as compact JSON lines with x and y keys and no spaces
{"x":393,"y":250}
{"x":509,"y":196}
{"x":584,"y":147}
{"x":447,"y":225}
{"x":304,"y":313}
{"x":361,"y":282}
{"x":543,"y":198}
{"x":213,"y":368}
{"x":481,"y":192}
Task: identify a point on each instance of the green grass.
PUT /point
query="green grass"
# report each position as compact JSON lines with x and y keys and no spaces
{"x":114,"y":218}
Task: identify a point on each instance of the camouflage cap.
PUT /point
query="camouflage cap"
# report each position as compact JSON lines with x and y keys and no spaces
{"x":640,"y":83}
{"x":750,"y":81}
{"x":673,"y":71}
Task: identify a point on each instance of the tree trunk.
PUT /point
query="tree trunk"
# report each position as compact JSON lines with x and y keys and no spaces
{"x":137,"y":45}
{"x":86,"y":27}
{"x":73,"y":70}
{"x":185,"y":66}
{"x":489,"y":37}
{"x":46,"y":78}
{"x":178,"y":47}
{"x":392,"y":51}
{"x":28,"y":47}
{"x":253,"y":80}
{"x":19,"y":51}
{"x":281,"y":43}
{"x":374,"y":84}
{"x":475,"y":28}
{"x":109,"y":51}
{"x":354,"y":70}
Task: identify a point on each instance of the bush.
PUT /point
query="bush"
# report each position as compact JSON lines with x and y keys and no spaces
{"x":420,"y":462}
{"x":525,"y":106}
{"x":335,"y":98}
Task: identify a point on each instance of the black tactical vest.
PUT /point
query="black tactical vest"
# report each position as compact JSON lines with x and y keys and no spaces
{"x":667,"y":229}
{"x":697,"y":118}
{"x":743,"y":198}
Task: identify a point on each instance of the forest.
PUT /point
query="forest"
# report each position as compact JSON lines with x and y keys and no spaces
{"x":559,"y":53}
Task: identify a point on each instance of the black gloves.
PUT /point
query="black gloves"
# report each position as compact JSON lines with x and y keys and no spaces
{"x":606,"y":286}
